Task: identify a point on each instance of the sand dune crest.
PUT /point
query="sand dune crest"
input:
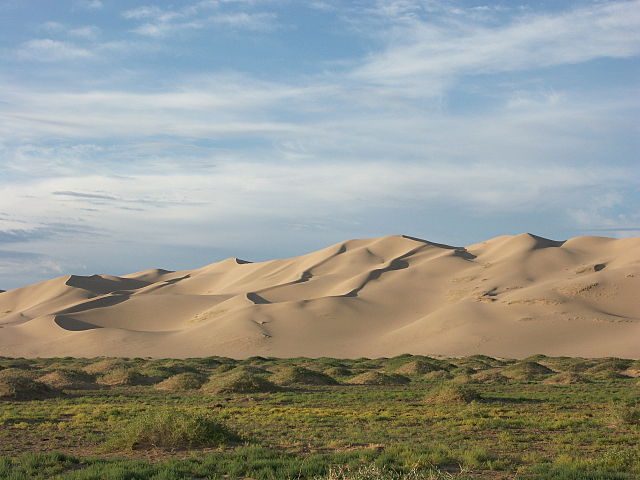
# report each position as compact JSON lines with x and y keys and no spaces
{"x":508,"y":296}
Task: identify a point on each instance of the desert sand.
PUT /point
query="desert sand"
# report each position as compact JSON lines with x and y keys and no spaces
{"x":510,"y":296}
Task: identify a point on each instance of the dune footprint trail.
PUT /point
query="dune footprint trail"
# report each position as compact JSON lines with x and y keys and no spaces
{"x":509,"y":296}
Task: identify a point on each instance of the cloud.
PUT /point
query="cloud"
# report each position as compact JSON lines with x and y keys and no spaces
{"x":420,"y":50}
{"x":49,"y":50}
{"x":400,"y":138}
{"x":18,"y":268}
{"x":90,"y":4}
{"x":160,"y":22}
{"x":88,"y":32}
{"x":42,"y":231}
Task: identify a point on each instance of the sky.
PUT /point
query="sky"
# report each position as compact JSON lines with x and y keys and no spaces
{"x":140,"y":134}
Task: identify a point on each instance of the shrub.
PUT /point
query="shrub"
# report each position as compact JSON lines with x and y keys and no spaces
{"x":172,"y":430}
{"x":104,"y":366}
{"x":67,"y":379}
{"x":239,"y":381}
{"x":16,"y":372}
{"x":566,"y":378}
{"x":609,"y":369}
{"x":122,"y":376}
{"x":301,"y":376}
{"x":417,"y":367}
{"x":181,"y":382}
{"x":437,"y":376}
{"x":625,"y":414}
{"x":378,"y":378}
{"x":24,"y":388}
{"x":338,"y":372}
{"x":373,"y":472}
{"x":527,"y":371}
{"x":453,"y":393}
{"x":489,"y":377}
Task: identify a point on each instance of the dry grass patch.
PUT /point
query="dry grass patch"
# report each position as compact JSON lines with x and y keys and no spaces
{"x":171,"y":430}
{"x":67,"y":379}
{"x":121,"y":377}
{"x":452,"y":393}
{"x":378,"y":378}
{"x":566,"y":378}
{"x":16,"y":387}
{"x":301,"y":376}
{"x":527,"y":371}
{"x":239,"y":381}
{"x":182,"y":382}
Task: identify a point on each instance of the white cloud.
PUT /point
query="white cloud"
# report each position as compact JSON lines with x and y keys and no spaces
{"x":208,"y":158}
{"x":90,"y":4}
{"x":159,"y":22}
{"x":49,"y":50}
{"x":87,"y":31}
{"x":422,"y":50}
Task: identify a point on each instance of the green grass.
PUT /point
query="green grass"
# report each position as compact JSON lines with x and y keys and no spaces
{"x":170,"y":429}
{"x":487,"y":419}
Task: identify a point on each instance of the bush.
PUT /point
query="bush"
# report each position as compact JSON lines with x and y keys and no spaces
{"x":172,"y":430}
{"x":378,"y":378}
{"x":122,"y":376}
{"x":24,"y":387}
{"x":373,"y":472}
{"x":105,"y":366}
{"x":418,"y":367}
{"x":527,"y":371}
{"x":437,"y":376}
{"x":453,"y":393}
{"x":338,"y":371}
{"x":239,"y":381}
{"x":566,"y":378}
{"x":67,"y":379}
{"x":489,"y":377}
{"x":16,"y":372}
{"x":625,"y":414}
{"x":181,"y":382}
{"x":301,"y":376}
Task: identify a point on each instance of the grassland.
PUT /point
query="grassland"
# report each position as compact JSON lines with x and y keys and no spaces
{"x":408,"y":417}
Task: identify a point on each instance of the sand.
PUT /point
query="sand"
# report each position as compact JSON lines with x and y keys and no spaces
{"x":510,"y":296}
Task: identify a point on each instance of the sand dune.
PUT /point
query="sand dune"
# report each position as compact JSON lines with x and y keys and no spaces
{"x":509,"y":296}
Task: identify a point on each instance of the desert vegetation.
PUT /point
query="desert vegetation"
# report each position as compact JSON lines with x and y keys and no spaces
{"x":405,"y":418}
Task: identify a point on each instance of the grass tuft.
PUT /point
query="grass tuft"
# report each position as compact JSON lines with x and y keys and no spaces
{"x":239,"y":381}
{"x":171,"y":430}
{"x":453,"y":393}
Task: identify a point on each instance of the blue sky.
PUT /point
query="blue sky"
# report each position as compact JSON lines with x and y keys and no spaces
{"x":174,"y":134}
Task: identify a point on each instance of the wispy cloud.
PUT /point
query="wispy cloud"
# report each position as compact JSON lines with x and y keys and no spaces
{"x":159,"y":22}
{"x":438,"y":116}
{"x":90,"y":4}
{"x":422,"y":50}
{"x":50,"y":50}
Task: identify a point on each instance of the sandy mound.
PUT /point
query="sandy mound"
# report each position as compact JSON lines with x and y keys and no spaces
{"x":239,"y":381}
{"x":301,"y":376}
{"x":418,"y":367}
{"x":489,"y":376}
{"x":338,"y":372}
{"x":527,"y":371}
{"x":378,"y":378}
{"x":510,"y":297}
{"x":123,"y":377}
{"x":566,"y":378}
{"x":24,"y":387}
{"x":182,"y":382}
{"x":105,"y":366}
{"x":67,"y":380}
{"x":448,"y":394}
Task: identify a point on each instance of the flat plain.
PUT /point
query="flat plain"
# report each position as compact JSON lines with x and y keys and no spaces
{"x":406,"y":417}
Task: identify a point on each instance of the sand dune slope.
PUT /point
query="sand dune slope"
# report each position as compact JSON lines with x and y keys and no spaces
{"x":509,"y":296}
